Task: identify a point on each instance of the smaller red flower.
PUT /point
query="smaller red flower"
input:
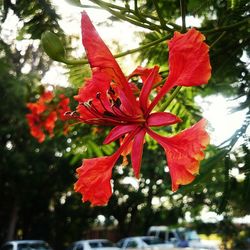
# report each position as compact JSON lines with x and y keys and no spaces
{"x":44,"y":114}
{"x":35,"y":127}
{"x":49,"y":123}
{"x":63,"y":107}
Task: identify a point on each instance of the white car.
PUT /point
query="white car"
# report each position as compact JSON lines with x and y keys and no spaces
{"x":95,"y":244}
{"x":143,"y":242}
{"x":182,"y":237}
{"x":26,"y":245}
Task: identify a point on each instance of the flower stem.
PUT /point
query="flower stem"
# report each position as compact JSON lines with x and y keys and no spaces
{"x":228,"y":27}
{"x":131,"y":51}
{"x":122,"y":16}
{"x":162,"y":21}
{"x":183,"y":15}
{"x":170,"y":99}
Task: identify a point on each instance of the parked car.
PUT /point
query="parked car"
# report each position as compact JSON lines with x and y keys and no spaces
{"x":96,"y":244}
{"x":143,"y":242}
{"x":182,"y":237}
{"x":169,"y":235}
{"x":26,"y":245}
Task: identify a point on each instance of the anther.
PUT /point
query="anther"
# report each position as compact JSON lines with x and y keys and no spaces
{"x":68,"y":113}
{"x":117,"y":103}
{"x":111,"y":91}
{"x":88,"y":103}
{"x":98,"y":95}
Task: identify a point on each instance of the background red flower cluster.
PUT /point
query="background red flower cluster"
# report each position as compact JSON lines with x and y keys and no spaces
{"x":45,"y":112}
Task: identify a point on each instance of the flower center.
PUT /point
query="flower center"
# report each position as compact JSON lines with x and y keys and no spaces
{"x":110,"y":110}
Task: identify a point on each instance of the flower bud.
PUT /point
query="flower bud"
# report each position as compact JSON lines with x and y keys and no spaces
{"x":53,"y":46}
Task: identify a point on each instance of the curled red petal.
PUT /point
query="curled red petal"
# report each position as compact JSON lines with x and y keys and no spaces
{"x":162,"y":119}
{"x":137,"y":150}
{"x":184,"y":152}
{"x":119,"y":131}
{"x":94,"y":180}
{"x":94,"y":175}
{"x":189,"y":63}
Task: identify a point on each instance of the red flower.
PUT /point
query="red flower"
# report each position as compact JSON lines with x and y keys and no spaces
{"x":107,"y":99}
{"x":35,"y":127}
{"x":44,"y":114}
{"x":37,"y":120}
{"x":63,"y":107}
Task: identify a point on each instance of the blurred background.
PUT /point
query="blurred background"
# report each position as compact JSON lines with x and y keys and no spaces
{"x":36,"y":179}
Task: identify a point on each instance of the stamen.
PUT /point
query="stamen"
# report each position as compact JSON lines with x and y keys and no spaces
{"x":91,"y":108}
{"x":106,"y":111}
{"x":98,"y":95}
{"x":111,"y":91}
{"x":117,"y":103}
{"x":119,"y":109}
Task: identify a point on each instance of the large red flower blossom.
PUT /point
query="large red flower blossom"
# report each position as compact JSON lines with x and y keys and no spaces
{"x":108,"y":99}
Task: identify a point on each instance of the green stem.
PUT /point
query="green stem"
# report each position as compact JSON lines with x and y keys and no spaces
{"x":159,"y":83}
{"x":131,"y":51}
{"x":139,"y":16}
{"x":183,"y":15}
{"x":136,"y":7}
{"x":228,"y":27}
{"x":164,"y":38}
{"x":170,"y":99}
{"x":162,"y":21}
{"x":217,"y":40}
{"x":121,"y":16}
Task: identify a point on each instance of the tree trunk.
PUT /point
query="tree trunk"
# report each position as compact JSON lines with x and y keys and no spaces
{"x":12,"y":222}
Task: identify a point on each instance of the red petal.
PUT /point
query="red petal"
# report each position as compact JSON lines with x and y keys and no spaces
{"x":101,"y":59}
{"x":99,"y":83}
{"x":94,"y":179}
{"x":119,"y":131}
{"x":46,"y":96}
{"x":98,"y":53}
{"x":162,"y":119}
{"x":49,"y":123}
{"x":147,"y":87}
{"x":63,"y":107}
{"x":184,"y":152}
{"x":36,"y":108}
{"x":144,"y":73}
{"x":95,"y":174}
{"x":35,"y":127}
{"x":137,"y":150}
{"x":189,"y":63}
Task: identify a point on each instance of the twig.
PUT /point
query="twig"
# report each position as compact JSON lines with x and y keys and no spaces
{"x":162,"y":21}
{"x":131,"y":51}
